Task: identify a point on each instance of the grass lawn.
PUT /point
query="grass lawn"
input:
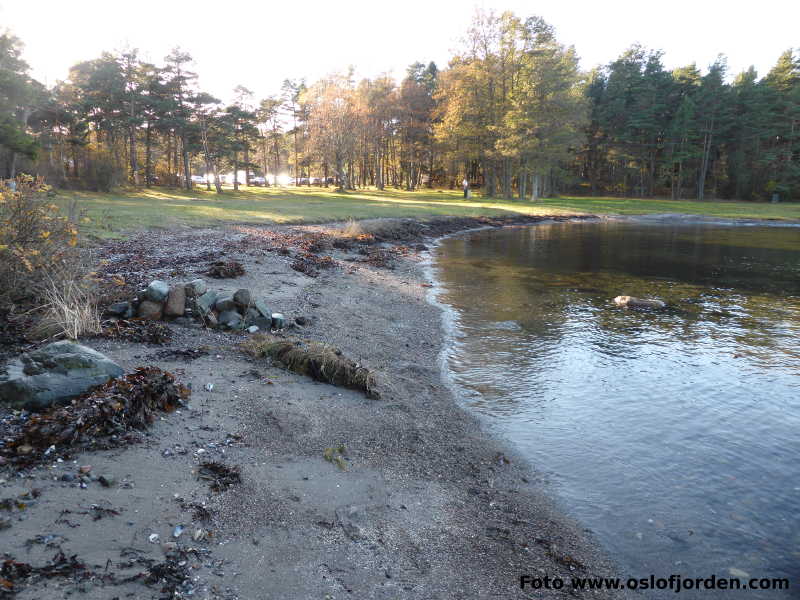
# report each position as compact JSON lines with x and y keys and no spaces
{"x":114,"y":213}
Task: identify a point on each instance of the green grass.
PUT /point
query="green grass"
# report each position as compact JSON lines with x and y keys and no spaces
{"x":113,"y":214}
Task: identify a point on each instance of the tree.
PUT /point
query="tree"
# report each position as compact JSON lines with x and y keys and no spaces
{"x":331,"y":115}
{"x":179,"y":82}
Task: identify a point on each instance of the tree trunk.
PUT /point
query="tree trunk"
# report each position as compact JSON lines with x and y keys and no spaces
{"x":246,"y":166}
{"x":148,"y":169}
{"x":340,"y":174}
{"x":217,"y":183}
{"x":187,"y":177}
{"x":535,"y":182}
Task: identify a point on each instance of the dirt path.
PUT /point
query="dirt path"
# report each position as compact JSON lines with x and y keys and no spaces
{"x":428,"y":505}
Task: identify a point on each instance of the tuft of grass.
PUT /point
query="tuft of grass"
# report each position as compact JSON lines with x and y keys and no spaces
{"x":70,"y":311}
{"x":383,"y":229}
{"x":336,"y":456}
{"x":319,"y":361}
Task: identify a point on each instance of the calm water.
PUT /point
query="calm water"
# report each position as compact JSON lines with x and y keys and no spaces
{"x":673,"y":435}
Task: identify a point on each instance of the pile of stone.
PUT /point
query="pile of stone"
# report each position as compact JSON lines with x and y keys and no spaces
{"x":194,"y":302}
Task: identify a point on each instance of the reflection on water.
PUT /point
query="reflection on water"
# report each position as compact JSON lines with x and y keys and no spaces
{"x":672,"y":434}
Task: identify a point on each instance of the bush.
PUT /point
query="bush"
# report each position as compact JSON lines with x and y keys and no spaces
{"x":37,"y":244}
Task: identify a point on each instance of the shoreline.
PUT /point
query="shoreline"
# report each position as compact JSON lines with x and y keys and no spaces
{"x":430,"y":505}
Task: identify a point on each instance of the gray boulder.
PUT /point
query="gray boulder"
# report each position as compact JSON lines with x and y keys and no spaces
{"x":230,"y":319}
{"x":150,"y":311}
{"x":157,"y":291}
{"x":262,"y":307}
{"x":54,"y":374}
{"x":196,"y":288}
{"x":206,"y":302}
{"x":242,"y":297}
{"x":123,"y":310}
{"x":225,"y":303}
{"x":263,"y":323}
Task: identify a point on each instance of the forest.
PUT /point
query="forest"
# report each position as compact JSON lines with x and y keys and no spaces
{"x":512,"y":111}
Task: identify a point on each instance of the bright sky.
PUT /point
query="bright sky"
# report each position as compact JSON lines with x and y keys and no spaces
{"x":260,"y":43}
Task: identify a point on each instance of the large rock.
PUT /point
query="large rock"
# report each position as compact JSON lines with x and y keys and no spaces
{"x":176,"y":301}
{"x":225,"y":303}
{"x":157,"y":291}
{"x":631,"y":302}
{"x":54,"y":374}
{"x":206,"y":302}
{"x":124,"y":310}
{"x":150,"y":311}
{"x":196,"y":288}
{"x":242,"y":297}
{"x":262,"y":307}
{"x":230,"y":319}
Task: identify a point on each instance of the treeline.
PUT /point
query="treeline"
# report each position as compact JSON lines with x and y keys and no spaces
{"x":512,"y":112}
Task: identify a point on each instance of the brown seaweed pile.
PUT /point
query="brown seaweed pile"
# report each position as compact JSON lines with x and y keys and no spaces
{"x":137,"y":330}
{"x":225,"y":269}
{"x":99,"y":419}
{"x":319,"y":361}
{"x":310,"y":263}
{"x":218,"y":475}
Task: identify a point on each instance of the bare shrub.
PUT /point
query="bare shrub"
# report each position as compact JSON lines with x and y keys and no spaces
{"x":36,"y":241}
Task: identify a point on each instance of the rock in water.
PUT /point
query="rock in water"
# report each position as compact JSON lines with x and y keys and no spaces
{"x":631,"y":302}
{"x":176,"y":301}
{"x":157,"y":291}
{"x":150,"y":311}
{"x":54,"y":374}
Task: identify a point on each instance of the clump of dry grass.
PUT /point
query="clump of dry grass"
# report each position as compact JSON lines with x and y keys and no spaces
{"x":383,"y":229}
{"x":314,"y":359}
{"x":70,"y":311}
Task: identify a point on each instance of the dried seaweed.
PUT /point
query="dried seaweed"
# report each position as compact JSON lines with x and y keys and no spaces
{"x":135,"y":330}
{"x":219,"y":475}
{"x":314,"y":359}
{"x":96,"y":420}
{"x":225,"y":269}
{"x":14,"y":574}
{"x":310,"y":264}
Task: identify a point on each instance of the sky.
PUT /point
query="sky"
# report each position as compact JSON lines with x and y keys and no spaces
{"x":258,"y":44}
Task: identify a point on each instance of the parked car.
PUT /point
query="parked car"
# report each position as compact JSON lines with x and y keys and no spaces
{"x":198,"y":179}
{"x":316,"y":181}
{"x":258,"y":180}
{"x":303,"y":181}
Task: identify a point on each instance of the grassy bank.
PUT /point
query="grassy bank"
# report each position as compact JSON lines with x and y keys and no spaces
{"x":116,"y":212}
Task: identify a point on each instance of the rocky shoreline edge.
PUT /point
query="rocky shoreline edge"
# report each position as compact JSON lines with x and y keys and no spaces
{"x":337,"y":495}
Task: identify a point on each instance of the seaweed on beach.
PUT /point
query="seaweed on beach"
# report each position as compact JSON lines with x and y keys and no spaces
{"x":319,"y":361}
{"x":219,"y":476}
{"x":225,"y":269}
{"x":14,"y":574}
{"x":310,"y":264}
{"x":136,"y":330}
{"x":99,"y":419}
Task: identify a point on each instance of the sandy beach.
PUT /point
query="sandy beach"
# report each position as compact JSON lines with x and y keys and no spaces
{"x":421,"y":502}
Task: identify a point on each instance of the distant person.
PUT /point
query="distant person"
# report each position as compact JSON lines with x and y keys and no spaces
{"x":465,"y":185}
